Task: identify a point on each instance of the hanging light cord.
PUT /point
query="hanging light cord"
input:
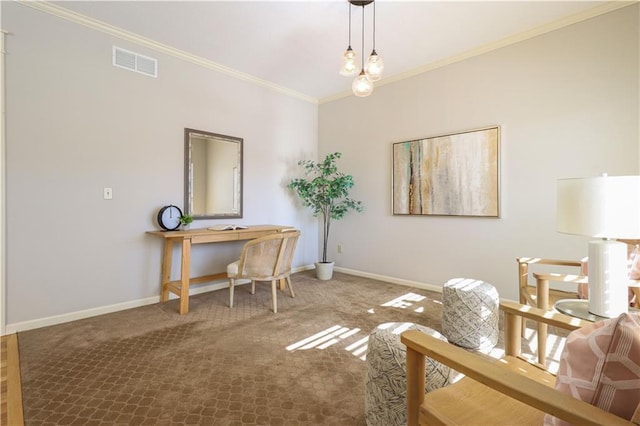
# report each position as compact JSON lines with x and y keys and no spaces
{"x":374,"y":25}
{"x":349,"y":25}
{"x":362,"y":54}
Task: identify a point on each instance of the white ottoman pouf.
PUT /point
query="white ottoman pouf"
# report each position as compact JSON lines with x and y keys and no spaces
{"x":385,"y":401}
{"x":470,"y":311}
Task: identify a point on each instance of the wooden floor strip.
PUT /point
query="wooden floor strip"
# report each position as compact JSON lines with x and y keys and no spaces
{"x":13,"y":397}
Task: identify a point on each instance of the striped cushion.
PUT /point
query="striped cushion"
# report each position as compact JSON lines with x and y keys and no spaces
{"x":600,"y":365}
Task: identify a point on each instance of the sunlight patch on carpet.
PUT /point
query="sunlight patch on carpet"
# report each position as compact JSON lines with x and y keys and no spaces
{"x":359,"y":348}
{"x":405,"y":301}
{"x":324,"y":339}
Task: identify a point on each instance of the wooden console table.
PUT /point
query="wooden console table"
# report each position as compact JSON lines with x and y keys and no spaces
{"x":198,"y":236}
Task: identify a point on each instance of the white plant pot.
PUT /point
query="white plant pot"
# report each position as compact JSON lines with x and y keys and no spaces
{"x":324,"y":270}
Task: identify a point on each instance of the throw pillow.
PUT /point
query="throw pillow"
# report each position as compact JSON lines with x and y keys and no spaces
{"x":634,"y":264}
{"x":600,"y":364}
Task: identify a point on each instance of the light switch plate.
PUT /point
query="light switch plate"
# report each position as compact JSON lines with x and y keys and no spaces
{"x":107,"y":193}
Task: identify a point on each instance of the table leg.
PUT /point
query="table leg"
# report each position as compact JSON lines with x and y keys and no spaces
{"x":184,"y":276}
{"x":542,"y":299}
{"x":167,"y":259}
{"x":282,"y":283}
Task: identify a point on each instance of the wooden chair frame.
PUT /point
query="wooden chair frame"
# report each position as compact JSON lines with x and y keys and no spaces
{"x":545,"y":297}
{"x":280,"y":270}
{"x":493,"y":387}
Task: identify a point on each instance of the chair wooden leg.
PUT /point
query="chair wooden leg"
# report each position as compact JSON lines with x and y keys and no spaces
{"x":542,"y":296}
{"x":523,"y":272}
{"x":274,"y":295}
{"x":231,"y":285}
{"x":290,"y":287}
{"x":253,"y":287}
{"x":416,"y":367}
{"x":512,"y":337}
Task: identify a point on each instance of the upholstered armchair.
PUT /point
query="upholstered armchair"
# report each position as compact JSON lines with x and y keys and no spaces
{"x":265,"y":259}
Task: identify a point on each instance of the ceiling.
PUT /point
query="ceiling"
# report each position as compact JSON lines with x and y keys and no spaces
{"x":297,"y":45}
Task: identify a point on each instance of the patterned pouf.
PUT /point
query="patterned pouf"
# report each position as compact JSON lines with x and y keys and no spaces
{"x":470,"y":313}
{"x":385,"y":402}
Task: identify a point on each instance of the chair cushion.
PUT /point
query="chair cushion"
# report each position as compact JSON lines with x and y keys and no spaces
{"x":600,"y":364}
{"x":232,"y":268}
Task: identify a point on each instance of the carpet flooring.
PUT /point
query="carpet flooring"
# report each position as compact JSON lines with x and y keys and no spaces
{"x":216,"y":365}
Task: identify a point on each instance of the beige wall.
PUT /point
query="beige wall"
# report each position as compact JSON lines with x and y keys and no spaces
{"x":76,"y":124}
{"x":567,"y":103}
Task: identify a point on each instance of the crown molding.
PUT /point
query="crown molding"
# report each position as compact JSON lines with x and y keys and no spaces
{"x":61,"y":12}
{"x":516,"y":38}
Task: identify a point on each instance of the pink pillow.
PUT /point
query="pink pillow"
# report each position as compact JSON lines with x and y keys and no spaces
{"x":600,"y":364}
{"x":634,"y":264}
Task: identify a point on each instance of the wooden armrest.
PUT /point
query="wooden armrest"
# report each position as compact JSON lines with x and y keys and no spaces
{"x":495,"y":376}
{"x":541,"y":261}
{"x":540,"y":315}
{"x":568,"y":278}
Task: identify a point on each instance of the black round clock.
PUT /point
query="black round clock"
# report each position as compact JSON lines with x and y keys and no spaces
{"x":169,"y":217}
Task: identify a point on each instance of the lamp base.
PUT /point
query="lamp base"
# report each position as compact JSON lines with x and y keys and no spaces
{"x":608,"y":278}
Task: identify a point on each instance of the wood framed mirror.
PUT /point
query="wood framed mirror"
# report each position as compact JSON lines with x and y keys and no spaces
{"x":212,"y":175}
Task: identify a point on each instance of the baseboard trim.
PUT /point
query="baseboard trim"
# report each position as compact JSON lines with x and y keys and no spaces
{"x":108,"y":309}
{"x":201,"y":288}
{"x":73,"y":316}
{"x":393,"y":280}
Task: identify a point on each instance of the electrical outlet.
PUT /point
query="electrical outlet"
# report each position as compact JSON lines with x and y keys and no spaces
{"x":107,"y":193}
{"x":339,"y":248}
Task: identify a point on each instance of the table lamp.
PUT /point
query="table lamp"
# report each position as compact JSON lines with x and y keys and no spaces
{"x":605,"y":207}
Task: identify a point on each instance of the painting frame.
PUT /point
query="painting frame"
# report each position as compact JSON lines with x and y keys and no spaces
{"x":456,"y":174}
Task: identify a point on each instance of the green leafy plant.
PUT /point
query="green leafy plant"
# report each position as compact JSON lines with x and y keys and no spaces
{"x":326,"y":191}
{"x":186,"y":219}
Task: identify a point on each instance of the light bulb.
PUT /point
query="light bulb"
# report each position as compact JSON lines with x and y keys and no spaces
{"x":375,"y":66}
{"x":362,"y":86}
{"x":349,"y":66}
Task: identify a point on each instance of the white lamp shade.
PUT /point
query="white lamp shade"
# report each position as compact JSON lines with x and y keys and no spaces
{"x":604,"y":206}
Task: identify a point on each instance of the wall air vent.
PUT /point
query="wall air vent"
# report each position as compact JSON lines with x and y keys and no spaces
{"x":135,"y":62}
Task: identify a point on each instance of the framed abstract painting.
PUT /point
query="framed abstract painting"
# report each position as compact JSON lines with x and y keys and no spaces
{"x":450,"y":175}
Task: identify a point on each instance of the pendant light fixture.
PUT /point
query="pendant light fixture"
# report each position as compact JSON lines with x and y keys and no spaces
{"x":349,"y":64}
{"x":363,"y":84}
{"x":375,"y":66}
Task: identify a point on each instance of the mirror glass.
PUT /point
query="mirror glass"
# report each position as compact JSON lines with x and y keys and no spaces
{"x":213,"y":175}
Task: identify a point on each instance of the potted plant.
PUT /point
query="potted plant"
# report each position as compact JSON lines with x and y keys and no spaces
{"x":326,"y":191}
{"x":185,"y":220}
